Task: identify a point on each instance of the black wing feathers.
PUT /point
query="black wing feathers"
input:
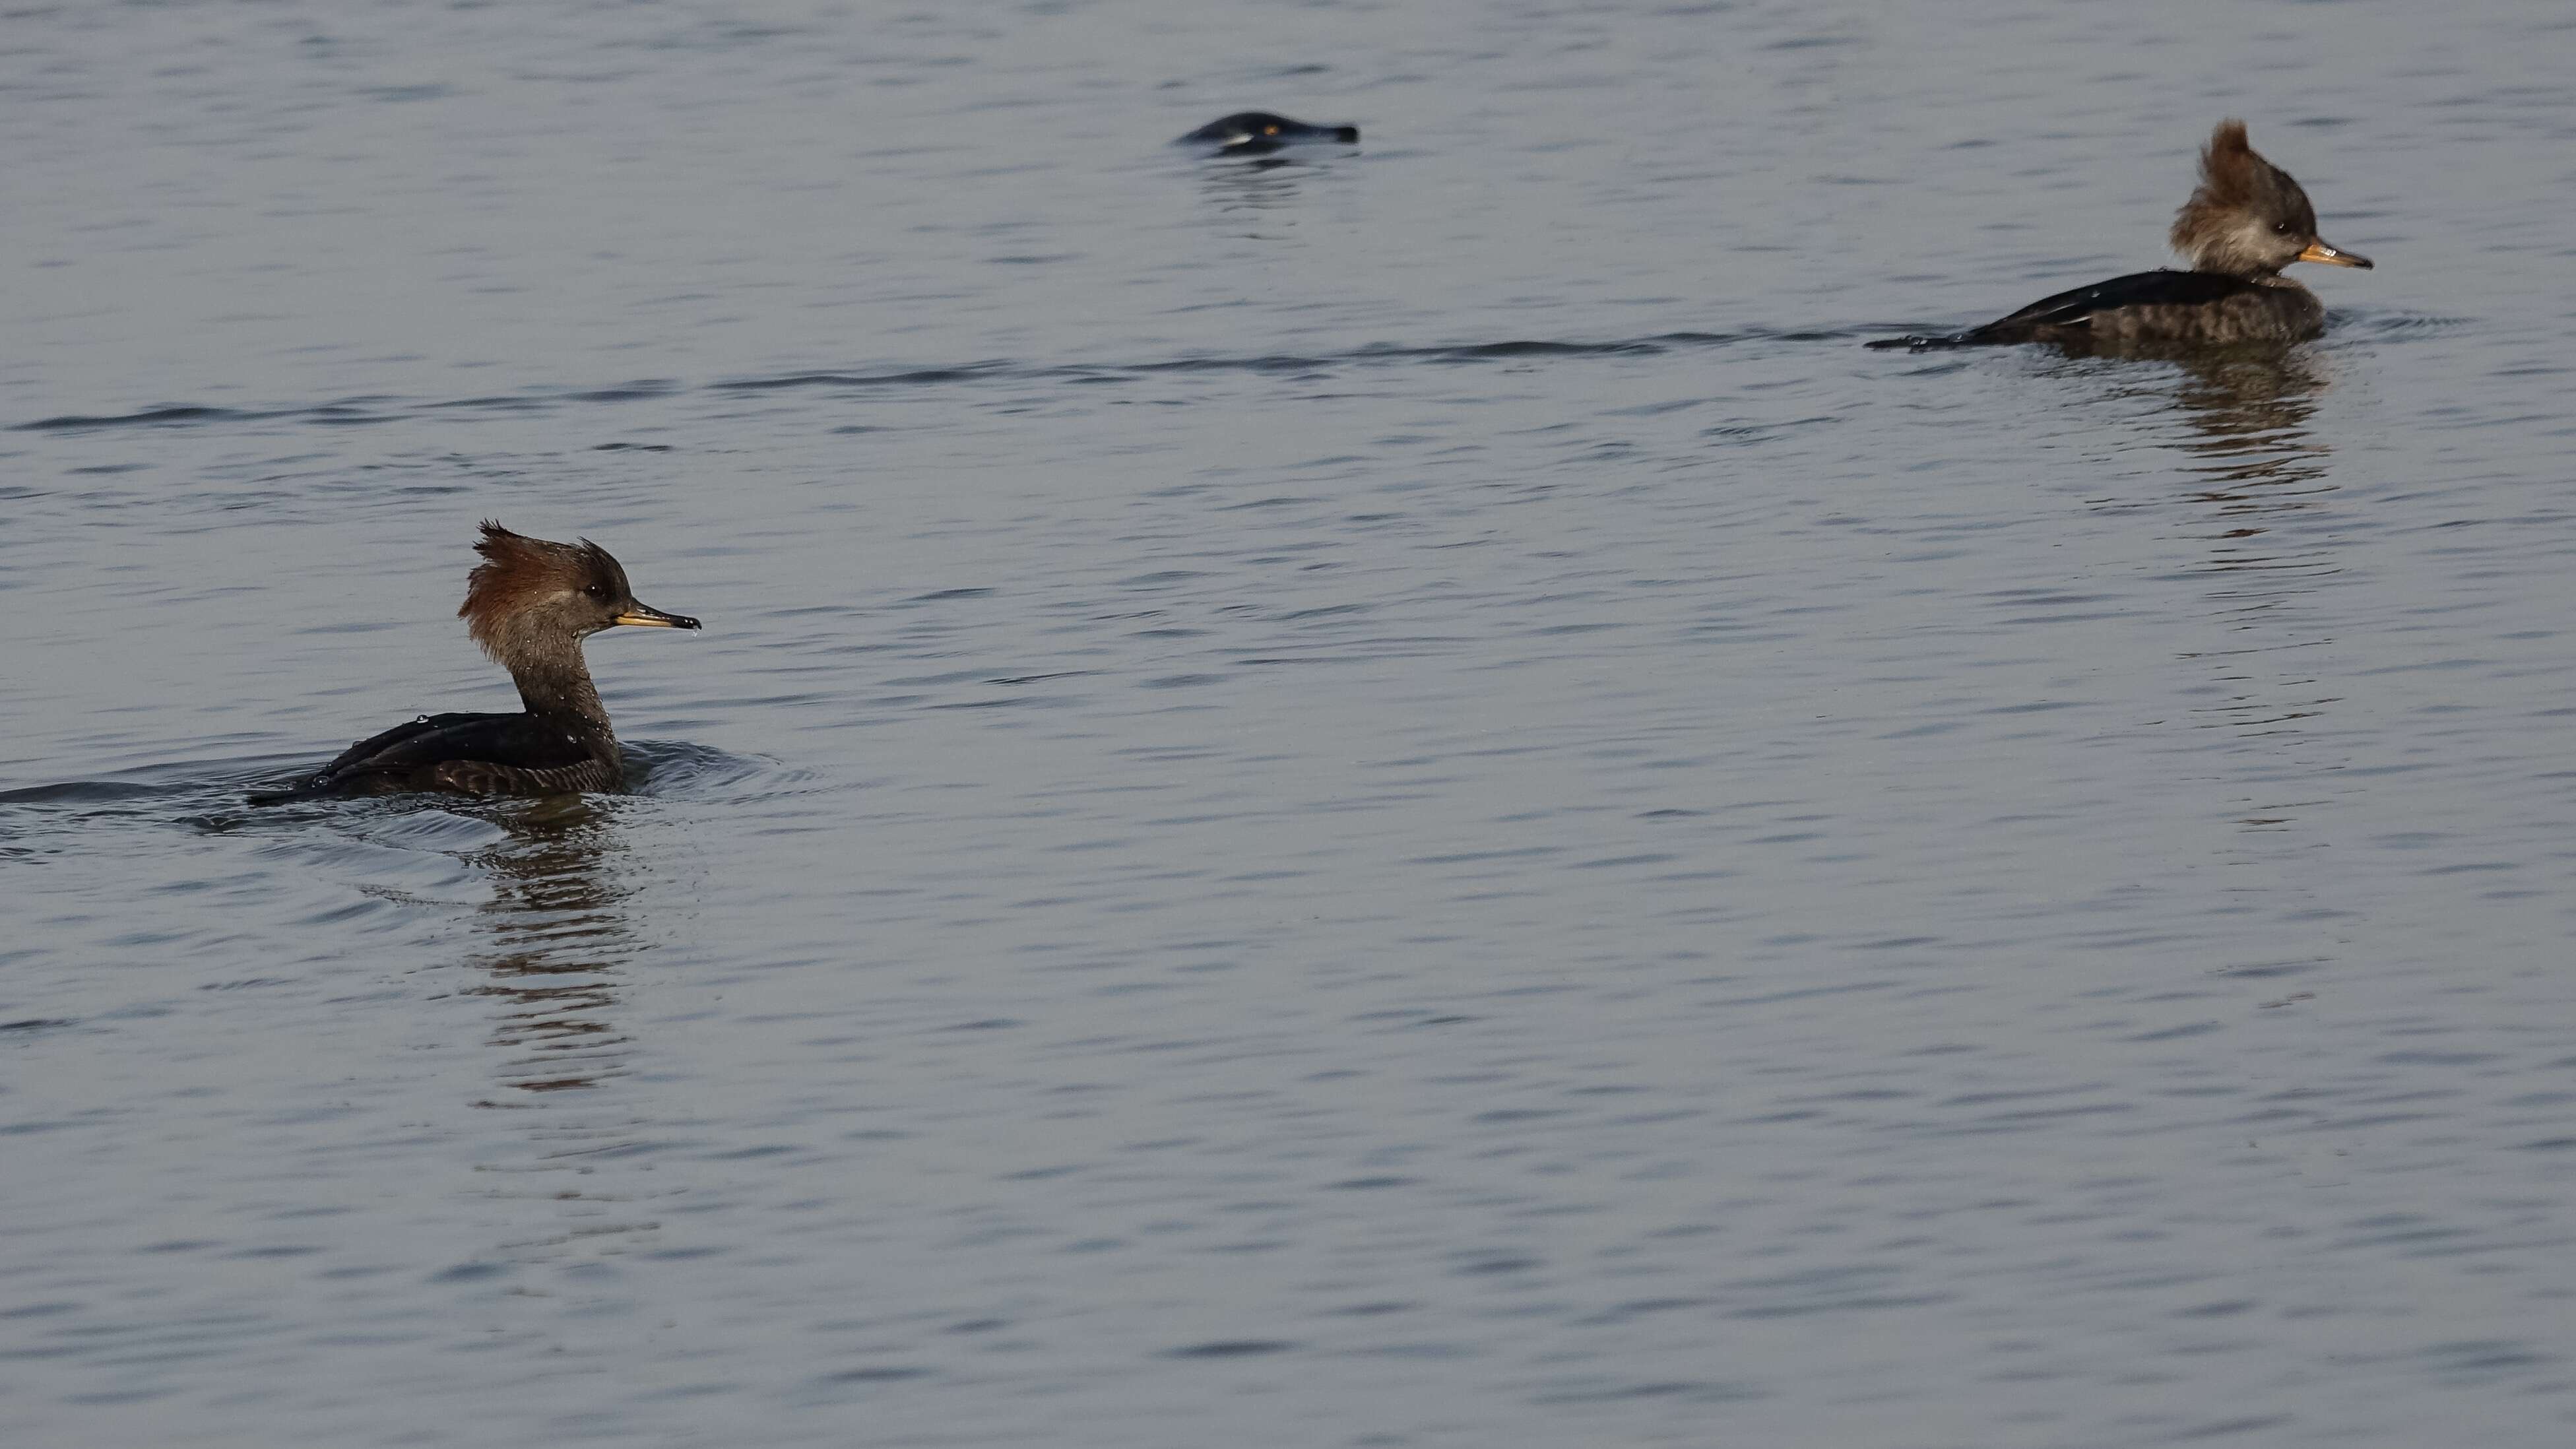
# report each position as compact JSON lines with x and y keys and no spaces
{"x":2077,"y":308}
{"x":2138,"y":289}
{"x":401,"y":756}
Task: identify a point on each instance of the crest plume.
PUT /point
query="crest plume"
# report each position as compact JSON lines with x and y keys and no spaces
{"x":2241,"y":198}
{"x":2228,"y":165}
{"x":518,"y":571}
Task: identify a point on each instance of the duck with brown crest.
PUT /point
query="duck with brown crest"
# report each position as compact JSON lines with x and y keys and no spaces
{"x":2246,"y":222}
{"x":530,"y":603}
{"x":1258,"y":133}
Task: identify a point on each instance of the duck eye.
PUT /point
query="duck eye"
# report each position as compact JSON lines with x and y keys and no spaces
{"x":2282,"y":227}
{"x":597,"y":591}
{"x":1270,"y":130}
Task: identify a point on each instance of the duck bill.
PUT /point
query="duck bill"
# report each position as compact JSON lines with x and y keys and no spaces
{"x":2318,"y":251}
{"x":644,"y":618}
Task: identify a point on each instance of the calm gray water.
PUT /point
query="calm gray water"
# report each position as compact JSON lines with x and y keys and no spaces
{"x":1393,"y":801}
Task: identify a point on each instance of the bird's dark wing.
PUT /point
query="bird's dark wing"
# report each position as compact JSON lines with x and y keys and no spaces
{"x":2076,"y":308}
{"x":409,"y":730}
{"x":516,"y":739}
{"x":479,"y":751}
{"x":2138,"y":289}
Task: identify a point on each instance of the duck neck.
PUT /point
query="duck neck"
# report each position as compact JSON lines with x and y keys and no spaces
{"x":555,"y":684}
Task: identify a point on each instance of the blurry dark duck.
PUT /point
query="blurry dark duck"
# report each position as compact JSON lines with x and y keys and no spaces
{"x":530,"y":603}
{"x":1258,"y":133}
{"x":2246,"y":222}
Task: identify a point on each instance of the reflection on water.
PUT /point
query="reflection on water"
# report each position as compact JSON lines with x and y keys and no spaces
{"x":2259,"y":466}
{"x":2251,"y":411}
{"x":2248,"y":411}
{"x":1261,"y":183}
{"x":559,"y":945}
{"x":2249,"y":447}
{"x":557,"y":951}
{"x":2257,"y":478}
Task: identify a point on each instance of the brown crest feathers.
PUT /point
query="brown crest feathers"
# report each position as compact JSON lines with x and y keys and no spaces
{"x":516,"y":571}
{"x":2228,"y":166}
{"x":2242,"y":205}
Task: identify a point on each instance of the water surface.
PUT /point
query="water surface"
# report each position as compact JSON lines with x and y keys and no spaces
{"x":1399,"y":800}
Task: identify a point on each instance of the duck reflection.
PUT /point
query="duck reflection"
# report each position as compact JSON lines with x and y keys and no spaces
{"x":2247,"y":410}
{"x":1260,"y":183}
{"x":2248,"y":444}
{"x":2257,"y":466}
{"x":558,"y":945}
{"x":2251,"y":414}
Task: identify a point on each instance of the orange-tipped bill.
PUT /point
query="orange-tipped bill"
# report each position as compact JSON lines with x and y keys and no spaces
{"x":2318,"y":251}
{"x":646,"y":618}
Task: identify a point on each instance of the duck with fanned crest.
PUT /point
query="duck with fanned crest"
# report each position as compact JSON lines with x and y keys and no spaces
{"x":530,"y":603}
{"x":2246,"y":222}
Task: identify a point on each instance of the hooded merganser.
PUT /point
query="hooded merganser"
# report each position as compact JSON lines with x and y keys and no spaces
{"x":2245,"y":223}
{"x":1258,"y":133}
{"x":530,"y":603}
